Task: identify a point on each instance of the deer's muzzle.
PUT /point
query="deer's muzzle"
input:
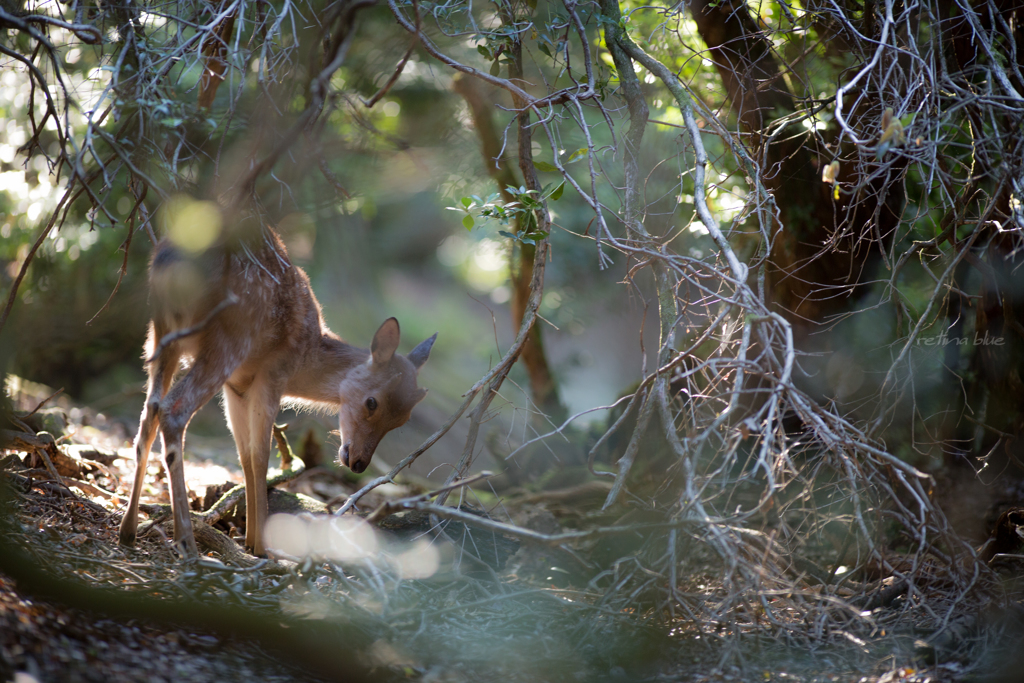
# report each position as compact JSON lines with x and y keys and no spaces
{"x":357,"y":465}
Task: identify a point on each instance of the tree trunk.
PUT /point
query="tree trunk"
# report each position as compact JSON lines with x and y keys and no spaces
{"x":543,"y":386}
{"x":822,"y":246}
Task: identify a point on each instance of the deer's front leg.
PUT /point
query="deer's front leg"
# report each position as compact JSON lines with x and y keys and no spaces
{"x":262,"y":412}
{"x":251,"y":415}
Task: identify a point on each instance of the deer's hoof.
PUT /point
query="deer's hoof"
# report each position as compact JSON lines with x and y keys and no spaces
{"x":127,"y":538}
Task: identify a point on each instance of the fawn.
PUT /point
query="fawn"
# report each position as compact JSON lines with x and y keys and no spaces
{"x":248,"y":321}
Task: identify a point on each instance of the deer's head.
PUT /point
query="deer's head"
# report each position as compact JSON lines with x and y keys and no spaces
{"x":379,"y":395}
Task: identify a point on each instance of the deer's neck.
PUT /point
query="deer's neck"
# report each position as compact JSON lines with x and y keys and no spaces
{"x":323,"y":369}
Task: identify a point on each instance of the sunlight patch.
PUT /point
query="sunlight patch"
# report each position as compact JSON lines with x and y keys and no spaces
{"x":421,"y":561}
{"x":338,"y":539}
{"x":191,"y":225}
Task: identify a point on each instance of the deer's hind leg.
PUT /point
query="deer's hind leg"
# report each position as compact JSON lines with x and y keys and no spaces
{"x":209,"y":371}
{"x":161,"y":374}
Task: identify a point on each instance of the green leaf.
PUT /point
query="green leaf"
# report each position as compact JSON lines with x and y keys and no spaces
{"x":495,"y":67}
{"x":545,"y":167}
{"x":505,"y":233}
{"x":544,"y":48}
{"x":467,"y":222}
{"x":557,"y":193}
{"x":576,"y":155}
{"x":482,"y":49}
{"x":908,"y":119}
{"x":466,"y":201}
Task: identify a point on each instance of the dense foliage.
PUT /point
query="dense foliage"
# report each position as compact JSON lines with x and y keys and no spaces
{"x":819,"y":202}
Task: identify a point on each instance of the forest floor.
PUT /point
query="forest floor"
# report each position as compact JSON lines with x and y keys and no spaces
{"x":519,"y":618}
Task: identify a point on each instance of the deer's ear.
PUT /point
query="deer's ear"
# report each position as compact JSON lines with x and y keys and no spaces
{"x":419,"y":355}
{"x":385,"y":341}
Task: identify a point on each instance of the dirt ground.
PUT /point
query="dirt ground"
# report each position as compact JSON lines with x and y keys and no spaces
{"x":42,"y":642}
{"x":518,"y":619}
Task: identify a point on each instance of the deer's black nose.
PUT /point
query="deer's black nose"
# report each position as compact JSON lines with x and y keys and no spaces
{"x":343,"y":455}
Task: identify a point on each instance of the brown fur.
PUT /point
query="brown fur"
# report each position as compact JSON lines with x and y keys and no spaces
{"x":270,"y":345}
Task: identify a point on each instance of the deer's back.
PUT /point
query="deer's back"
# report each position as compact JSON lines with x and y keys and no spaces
{"x":275,"y":313}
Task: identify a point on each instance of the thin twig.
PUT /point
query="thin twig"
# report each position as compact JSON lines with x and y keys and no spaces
{"x":171,"y":337}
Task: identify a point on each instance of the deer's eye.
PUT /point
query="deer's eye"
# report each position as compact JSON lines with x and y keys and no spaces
{"x":371,"y":404}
